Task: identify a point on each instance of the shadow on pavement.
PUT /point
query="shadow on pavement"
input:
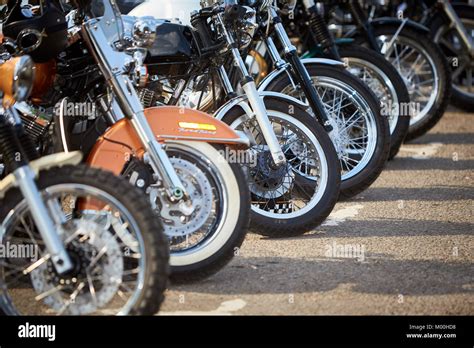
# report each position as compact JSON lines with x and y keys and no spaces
{"x":390,"y":227}
{"x":378,"y":275}
{"x":432,"y":163}
{"x":431,"y":193}
{"x":445,"y":138}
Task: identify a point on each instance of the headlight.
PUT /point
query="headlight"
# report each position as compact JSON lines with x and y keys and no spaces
{"x":263,"y":5}
{"x":248,"y":27}
{"x":287,"y":6}
{"x":23,"y":78}
{"x":144,"y":32}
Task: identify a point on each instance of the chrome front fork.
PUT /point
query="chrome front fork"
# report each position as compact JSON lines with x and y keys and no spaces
{"x":112,"y":64}
{"x":454,"y":18}
{"x":255,"y":101}
{"x":156,"y":155}
{"x":25,"y":180}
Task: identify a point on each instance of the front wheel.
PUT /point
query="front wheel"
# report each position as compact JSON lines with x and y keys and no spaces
{"x":425,"y":71}
{"x":360,"y":135}
{"x":206,"y":234}
{"x":119,"y":252}
{"x":294,"y":198}
{"x":462,"y":64}
{"x":388,"y":86}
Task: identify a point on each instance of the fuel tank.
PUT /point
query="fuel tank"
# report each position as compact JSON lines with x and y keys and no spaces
{"x":167,"y":9}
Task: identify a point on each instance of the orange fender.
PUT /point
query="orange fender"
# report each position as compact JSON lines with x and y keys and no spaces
{"x":7,"y":72}
{"x":168,"y":123}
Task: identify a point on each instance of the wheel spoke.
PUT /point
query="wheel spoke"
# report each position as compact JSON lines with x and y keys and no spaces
{"x":469,"y":80}
{"x":50,"y":292}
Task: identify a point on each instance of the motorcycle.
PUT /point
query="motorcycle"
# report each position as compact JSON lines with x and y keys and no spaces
{"x":361,"y":161}
{"x":421,"y":63}
{"x":310,"y":34}
{"x":295,"y":182}
{"x":360,"y":134}
{"x":176,"y":156}
{"x":451,"y":25}
{"x":75,"y":240}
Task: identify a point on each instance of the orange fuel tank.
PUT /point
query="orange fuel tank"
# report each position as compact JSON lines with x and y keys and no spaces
{"x":45,"y":73}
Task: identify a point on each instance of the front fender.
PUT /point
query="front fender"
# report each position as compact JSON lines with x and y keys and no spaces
{"x":242,"y":101}
{"x":434,"y":21}
{"x":169,"y":123}
{"x":277,"y":72}
{"x":43,"y":163}
{"x":397,"y":22}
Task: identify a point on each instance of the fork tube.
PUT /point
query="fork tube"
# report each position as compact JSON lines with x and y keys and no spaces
{"x":16,"y":161}
{"x":229,"y":89}
{"x":111,"y":64}
{"x":274,"y":54}
{"x":461,"y":30}
{"x":255,"y":100}
{"x":301,"y":73}
{"x":363,"y":23}
{"x":25,"y":180}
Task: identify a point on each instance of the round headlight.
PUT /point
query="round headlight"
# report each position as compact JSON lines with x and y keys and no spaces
{"x":287,"y":6}
{"x":23,"y":78}
{"x":263,"y":5}
{"x":144,"y":32}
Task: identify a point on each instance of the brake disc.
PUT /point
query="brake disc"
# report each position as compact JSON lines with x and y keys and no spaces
{"x":88,"y":287}
{"x":270,"y":182}
{"x":180,"y":218}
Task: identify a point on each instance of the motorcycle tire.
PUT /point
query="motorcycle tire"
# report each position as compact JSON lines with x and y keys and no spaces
{"x":154,"y":244}
{"x":394,"y":89}
{"x":275,"y":222}
{"x":336,"y":78}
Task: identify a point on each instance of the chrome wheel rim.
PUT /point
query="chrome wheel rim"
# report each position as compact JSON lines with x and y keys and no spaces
{"x":126,"y":280}
{"x":418,"y":71}
{"x":355,"y":132}
{"x":306,"y":174}
{"x":451,"y":44}
{"x":380,"y":84}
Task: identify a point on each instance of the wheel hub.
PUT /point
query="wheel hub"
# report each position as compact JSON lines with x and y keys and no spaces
{"x":183,"y":218}
{"x":268,"y":171}
{"x":268,"y":178}
{"x":339,"y":136}
{"x":73,"y":291}
{"x":80,"y":255}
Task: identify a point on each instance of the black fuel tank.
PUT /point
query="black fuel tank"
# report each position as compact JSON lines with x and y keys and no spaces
{"x":172,"y":50}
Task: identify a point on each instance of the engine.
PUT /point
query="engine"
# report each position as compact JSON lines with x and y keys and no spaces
{"x":36,"y":122}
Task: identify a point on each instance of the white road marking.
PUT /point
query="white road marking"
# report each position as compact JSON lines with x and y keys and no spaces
{"x":335,"y":218}
{"x":225,"y":308}
{"x":421,"y":151}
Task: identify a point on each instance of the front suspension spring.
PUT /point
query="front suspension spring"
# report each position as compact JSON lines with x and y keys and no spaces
{"x":321,"y":34}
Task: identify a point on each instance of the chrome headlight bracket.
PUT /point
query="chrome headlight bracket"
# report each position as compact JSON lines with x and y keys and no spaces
{"x":23,"y":78}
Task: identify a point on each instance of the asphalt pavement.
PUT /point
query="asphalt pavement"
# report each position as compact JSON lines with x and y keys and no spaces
{"x":404,"y":246}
